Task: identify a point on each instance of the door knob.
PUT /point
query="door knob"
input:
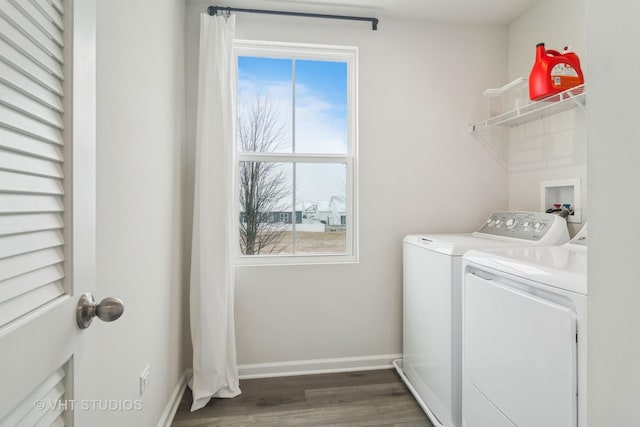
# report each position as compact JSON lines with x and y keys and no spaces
{"x":108,"y":310}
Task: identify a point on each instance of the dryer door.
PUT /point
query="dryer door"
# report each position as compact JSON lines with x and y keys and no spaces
{"x":519,"y":353}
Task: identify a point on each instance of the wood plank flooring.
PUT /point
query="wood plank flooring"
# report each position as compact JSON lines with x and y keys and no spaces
{"x":351,"y":399}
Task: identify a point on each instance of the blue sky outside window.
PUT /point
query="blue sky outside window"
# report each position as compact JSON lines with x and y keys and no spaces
{"x":307,"y":103}
{"x":321,"y":107}
{"x":320,"y":99}
{"x":270,"y":79}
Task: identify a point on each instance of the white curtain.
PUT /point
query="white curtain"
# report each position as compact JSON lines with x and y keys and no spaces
{"x":215,"y":371}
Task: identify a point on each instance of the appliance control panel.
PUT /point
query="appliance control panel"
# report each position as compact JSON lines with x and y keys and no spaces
{"x":533,"y":226}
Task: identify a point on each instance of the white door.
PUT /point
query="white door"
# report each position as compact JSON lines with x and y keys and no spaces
{"x":47,"y":206}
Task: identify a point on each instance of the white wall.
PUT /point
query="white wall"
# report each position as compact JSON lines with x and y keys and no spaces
{"x":557,"y":23}
{"x":554,"y":148}
{"x":420,"y":85}
{"x":614,"y":150}
{"x":140,"y":88}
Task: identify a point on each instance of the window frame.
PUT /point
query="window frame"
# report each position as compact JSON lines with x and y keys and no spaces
{"x":300,"y":51}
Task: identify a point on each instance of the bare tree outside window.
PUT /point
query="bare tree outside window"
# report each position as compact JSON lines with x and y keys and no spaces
{"x":264,"y":186}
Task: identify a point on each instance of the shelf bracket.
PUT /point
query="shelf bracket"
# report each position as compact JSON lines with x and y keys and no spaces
{"x":496,"y":145}
{"x":579,"y":101}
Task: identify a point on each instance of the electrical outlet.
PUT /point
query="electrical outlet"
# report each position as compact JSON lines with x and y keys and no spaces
{"x":144,"y":379}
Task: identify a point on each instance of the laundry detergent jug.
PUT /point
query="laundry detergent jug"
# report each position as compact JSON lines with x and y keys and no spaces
{"x":553,"y":72}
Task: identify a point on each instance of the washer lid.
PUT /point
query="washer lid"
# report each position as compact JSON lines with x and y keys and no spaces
{"x":562,"y":267}
{"x":458,"y":244}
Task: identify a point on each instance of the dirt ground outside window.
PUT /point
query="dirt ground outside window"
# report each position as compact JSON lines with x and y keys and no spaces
{"x":328,"y":242}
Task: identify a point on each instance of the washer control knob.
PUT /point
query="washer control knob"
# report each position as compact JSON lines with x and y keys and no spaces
{"x":527,"y":225}
{"x":539,"y":226}
{"x":490,"y":223}
{"x":498,"y":223}
{"x":511,"y":223}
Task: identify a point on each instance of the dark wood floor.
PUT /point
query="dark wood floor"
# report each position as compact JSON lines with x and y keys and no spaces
{"x":352,"y":399}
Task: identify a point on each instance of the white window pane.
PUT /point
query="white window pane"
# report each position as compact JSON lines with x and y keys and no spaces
{"x":264,"y":104}
{"x":320,"y":107}
{"x":321,"y":204}
{"x":265,"y":206}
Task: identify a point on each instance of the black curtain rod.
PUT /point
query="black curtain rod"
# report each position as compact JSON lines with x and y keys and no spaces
{"x":213,"y":10}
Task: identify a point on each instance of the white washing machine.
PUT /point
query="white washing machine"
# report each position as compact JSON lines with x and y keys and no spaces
{"x":524,"y":336}
{"x":432,"y":291}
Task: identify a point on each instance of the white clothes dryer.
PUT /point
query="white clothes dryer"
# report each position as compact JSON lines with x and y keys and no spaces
{"x":432,"y":304}
{"x":524,"y":336}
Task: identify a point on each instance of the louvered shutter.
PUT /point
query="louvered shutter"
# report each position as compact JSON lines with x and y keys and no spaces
{"x":31,"y":143}
{"x":44,"y":406}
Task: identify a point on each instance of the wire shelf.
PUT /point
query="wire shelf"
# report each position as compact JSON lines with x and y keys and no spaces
{"x":563,"y":101}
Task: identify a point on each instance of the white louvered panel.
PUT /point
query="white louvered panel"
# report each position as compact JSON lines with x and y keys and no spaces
{"x":30,"y":107}
{"x":21,"y":183}
{"x":15,"y":224}
{"x":32,"y":246}
{"x":22,"y":264}
{"x":50,"y":419}
{"x":22,"y":243}
{"x":51,"y":12}
{"x":27,"y":282}
{"x":24,"y":64}
{"x":58,"y":5}
{"x":17,"y":80}
{"x":19,"y":306}
{"x":25,"y":414}
{"x":30,"y":165}
{"x":31,"y":179}
{"x":20,"y":122}
{"x":19,"y":203}
{"x":31,"y":12}
{"x":31,"y":30}
{"x":25,"y":45}
{"x":59,"y":422}
{"x":47,"y":417}
{"x":19,"y":142}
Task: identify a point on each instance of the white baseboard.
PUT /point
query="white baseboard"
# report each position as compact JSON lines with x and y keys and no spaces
{"x":174,"y":400}
{"x":316,"y":366}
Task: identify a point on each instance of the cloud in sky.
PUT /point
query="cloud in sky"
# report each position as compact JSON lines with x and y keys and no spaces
{"x":321,"y":126}
{"x":320,"y":99}
{"x":320,"y":115}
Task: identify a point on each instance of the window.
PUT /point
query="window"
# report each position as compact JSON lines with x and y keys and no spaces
{"x":296,"y":153}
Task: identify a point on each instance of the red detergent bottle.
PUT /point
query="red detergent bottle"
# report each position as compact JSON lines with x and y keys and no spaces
{"x":553,"y":72}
